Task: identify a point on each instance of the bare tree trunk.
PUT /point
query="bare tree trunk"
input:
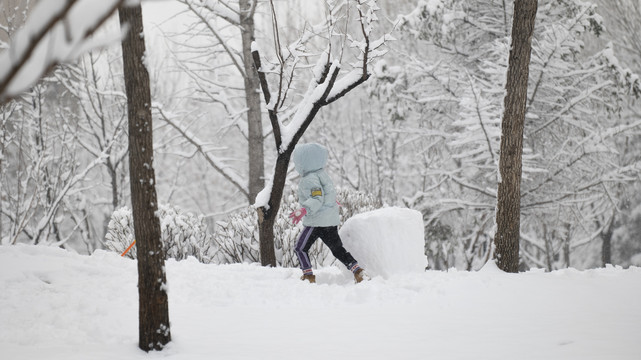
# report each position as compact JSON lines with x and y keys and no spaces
{"x":252,"y":96}
{"x":113,"y":174}
{"x":566,"y":245}
{"x":606,"y":246}
{"x":508,"y":211}
{"x":267,"y":216}
{"x":153,"y":307}
{"x":549,"y":250}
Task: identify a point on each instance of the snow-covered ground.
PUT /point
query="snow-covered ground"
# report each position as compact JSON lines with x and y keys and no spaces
{"x":55,"y":304}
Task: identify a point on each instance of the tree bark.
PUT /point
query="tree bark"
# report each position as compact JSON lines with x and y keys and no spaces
{"x":508,"y":211}
{"x":267,"y":216}
{"x":153,"y":306}
{"x":606,"y":246}
{"x":549,"y":250}
{"x":566,"y":245}
{"x":252,"y":96}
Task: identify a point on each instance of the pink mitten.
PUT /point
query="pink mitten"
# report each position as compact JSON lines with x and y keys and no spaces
{"x":297,"y":215}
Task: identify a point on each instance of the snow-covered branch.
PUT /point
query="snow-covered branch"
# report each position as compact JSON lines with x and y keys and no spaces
{"x":56,"y":31}
{"x":64,"y":192}
{"x":326,"y":84}
{"x":218,"y":164}
{"x":207,"y":12}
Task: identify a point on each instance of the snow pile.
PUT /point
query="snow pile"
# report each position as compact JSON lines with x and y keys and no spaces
{"x":57,"y":305}
{"x":386,"y":241}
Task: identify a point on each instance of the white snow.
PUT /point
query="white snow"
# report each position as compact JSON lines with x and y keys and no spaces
{"x":57,"y":305}
{"x":262,"y":198}
{"x":314,"y":93}
{"x":387,"y":241}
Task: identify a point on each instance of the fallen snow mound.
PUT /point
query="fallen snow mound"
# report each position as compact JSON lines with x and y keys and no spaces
{"x":386,"y":241}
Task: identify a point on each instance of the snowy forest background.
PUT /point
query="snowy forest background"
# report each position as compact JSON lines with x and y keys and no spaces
{"x":423,"y":132}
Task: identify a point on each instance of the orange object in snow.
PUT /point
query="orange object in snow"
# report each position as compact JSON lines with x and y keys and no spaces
{"x":129,"y":248}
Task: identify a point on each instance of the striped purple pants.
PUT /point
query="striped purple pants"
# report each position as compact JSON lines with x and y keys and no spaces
{"x":329,"y":235}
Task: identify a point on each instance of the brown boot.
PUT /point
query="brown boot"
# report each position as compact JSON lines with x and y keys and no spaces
{"x":310,"y":278}
{"x":360,"y":275}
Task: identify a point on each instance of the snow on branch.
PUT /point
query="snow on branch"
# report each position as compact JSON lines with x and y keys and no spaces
{"x":585,"y":94}
{"x":219,"y":165}
{"x":56,"y":203}
{"x":328,"y":82}
{"x":57,"y":31}
{"x":625,"y":76}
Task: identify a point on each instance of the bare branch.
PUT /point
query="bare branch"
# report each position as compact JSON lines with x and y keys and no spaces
{"x":220,"y":167}
{"x":222,"y":42}
{"x":273,"y":117}
{"x":279,"y":55}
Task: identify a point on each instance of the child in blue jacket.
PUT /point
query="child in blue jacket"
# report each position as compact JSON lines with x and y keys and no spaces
{"x":317,"y":197}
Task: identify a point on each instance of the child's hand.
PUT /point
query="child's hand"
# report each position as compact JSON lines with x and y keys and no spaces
{"x":297,"y":215}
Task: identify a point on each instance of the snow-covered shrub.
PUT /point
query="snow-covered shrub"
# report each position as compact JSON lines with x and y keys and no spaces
{"x":182,"y":234}
{"x":120,"y":232}
{"x":355,"y":202}
{"x":237,"y":236}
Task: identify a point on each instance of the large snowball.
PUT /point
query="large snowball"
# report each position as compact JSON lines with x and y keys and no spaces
{"x":386,"y":241}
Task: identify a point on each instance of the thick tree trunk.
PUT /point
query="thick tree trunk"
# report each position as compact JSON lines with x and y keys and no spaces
{"x":153,"y":307}
{"x":508,"y":212}
{"x":252,"y":96}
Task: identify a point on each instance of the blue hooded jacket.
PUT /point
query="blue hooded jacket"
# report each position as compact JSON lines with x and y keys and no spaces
{"x":316,"y":191}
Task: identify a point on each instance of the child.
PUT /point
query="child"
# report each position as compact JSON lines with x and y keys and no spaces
{"x":317,"y":197}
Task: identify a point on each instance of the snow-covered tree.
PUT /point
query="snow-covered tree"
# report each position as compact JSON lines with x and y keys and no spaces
{"x":327,"y":83}
{"x":222,"y":71}
{"x":44,"y":176}
{"x":35,"y":38}
{"x":622,"y":23}
{"x":571,"y":122}
{"x":100,"y":117}
{"x":96,"y":118}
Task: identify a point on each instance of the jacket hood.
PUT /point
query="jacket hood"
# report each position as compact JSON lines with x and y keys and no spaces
{"x":310,"y":157}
